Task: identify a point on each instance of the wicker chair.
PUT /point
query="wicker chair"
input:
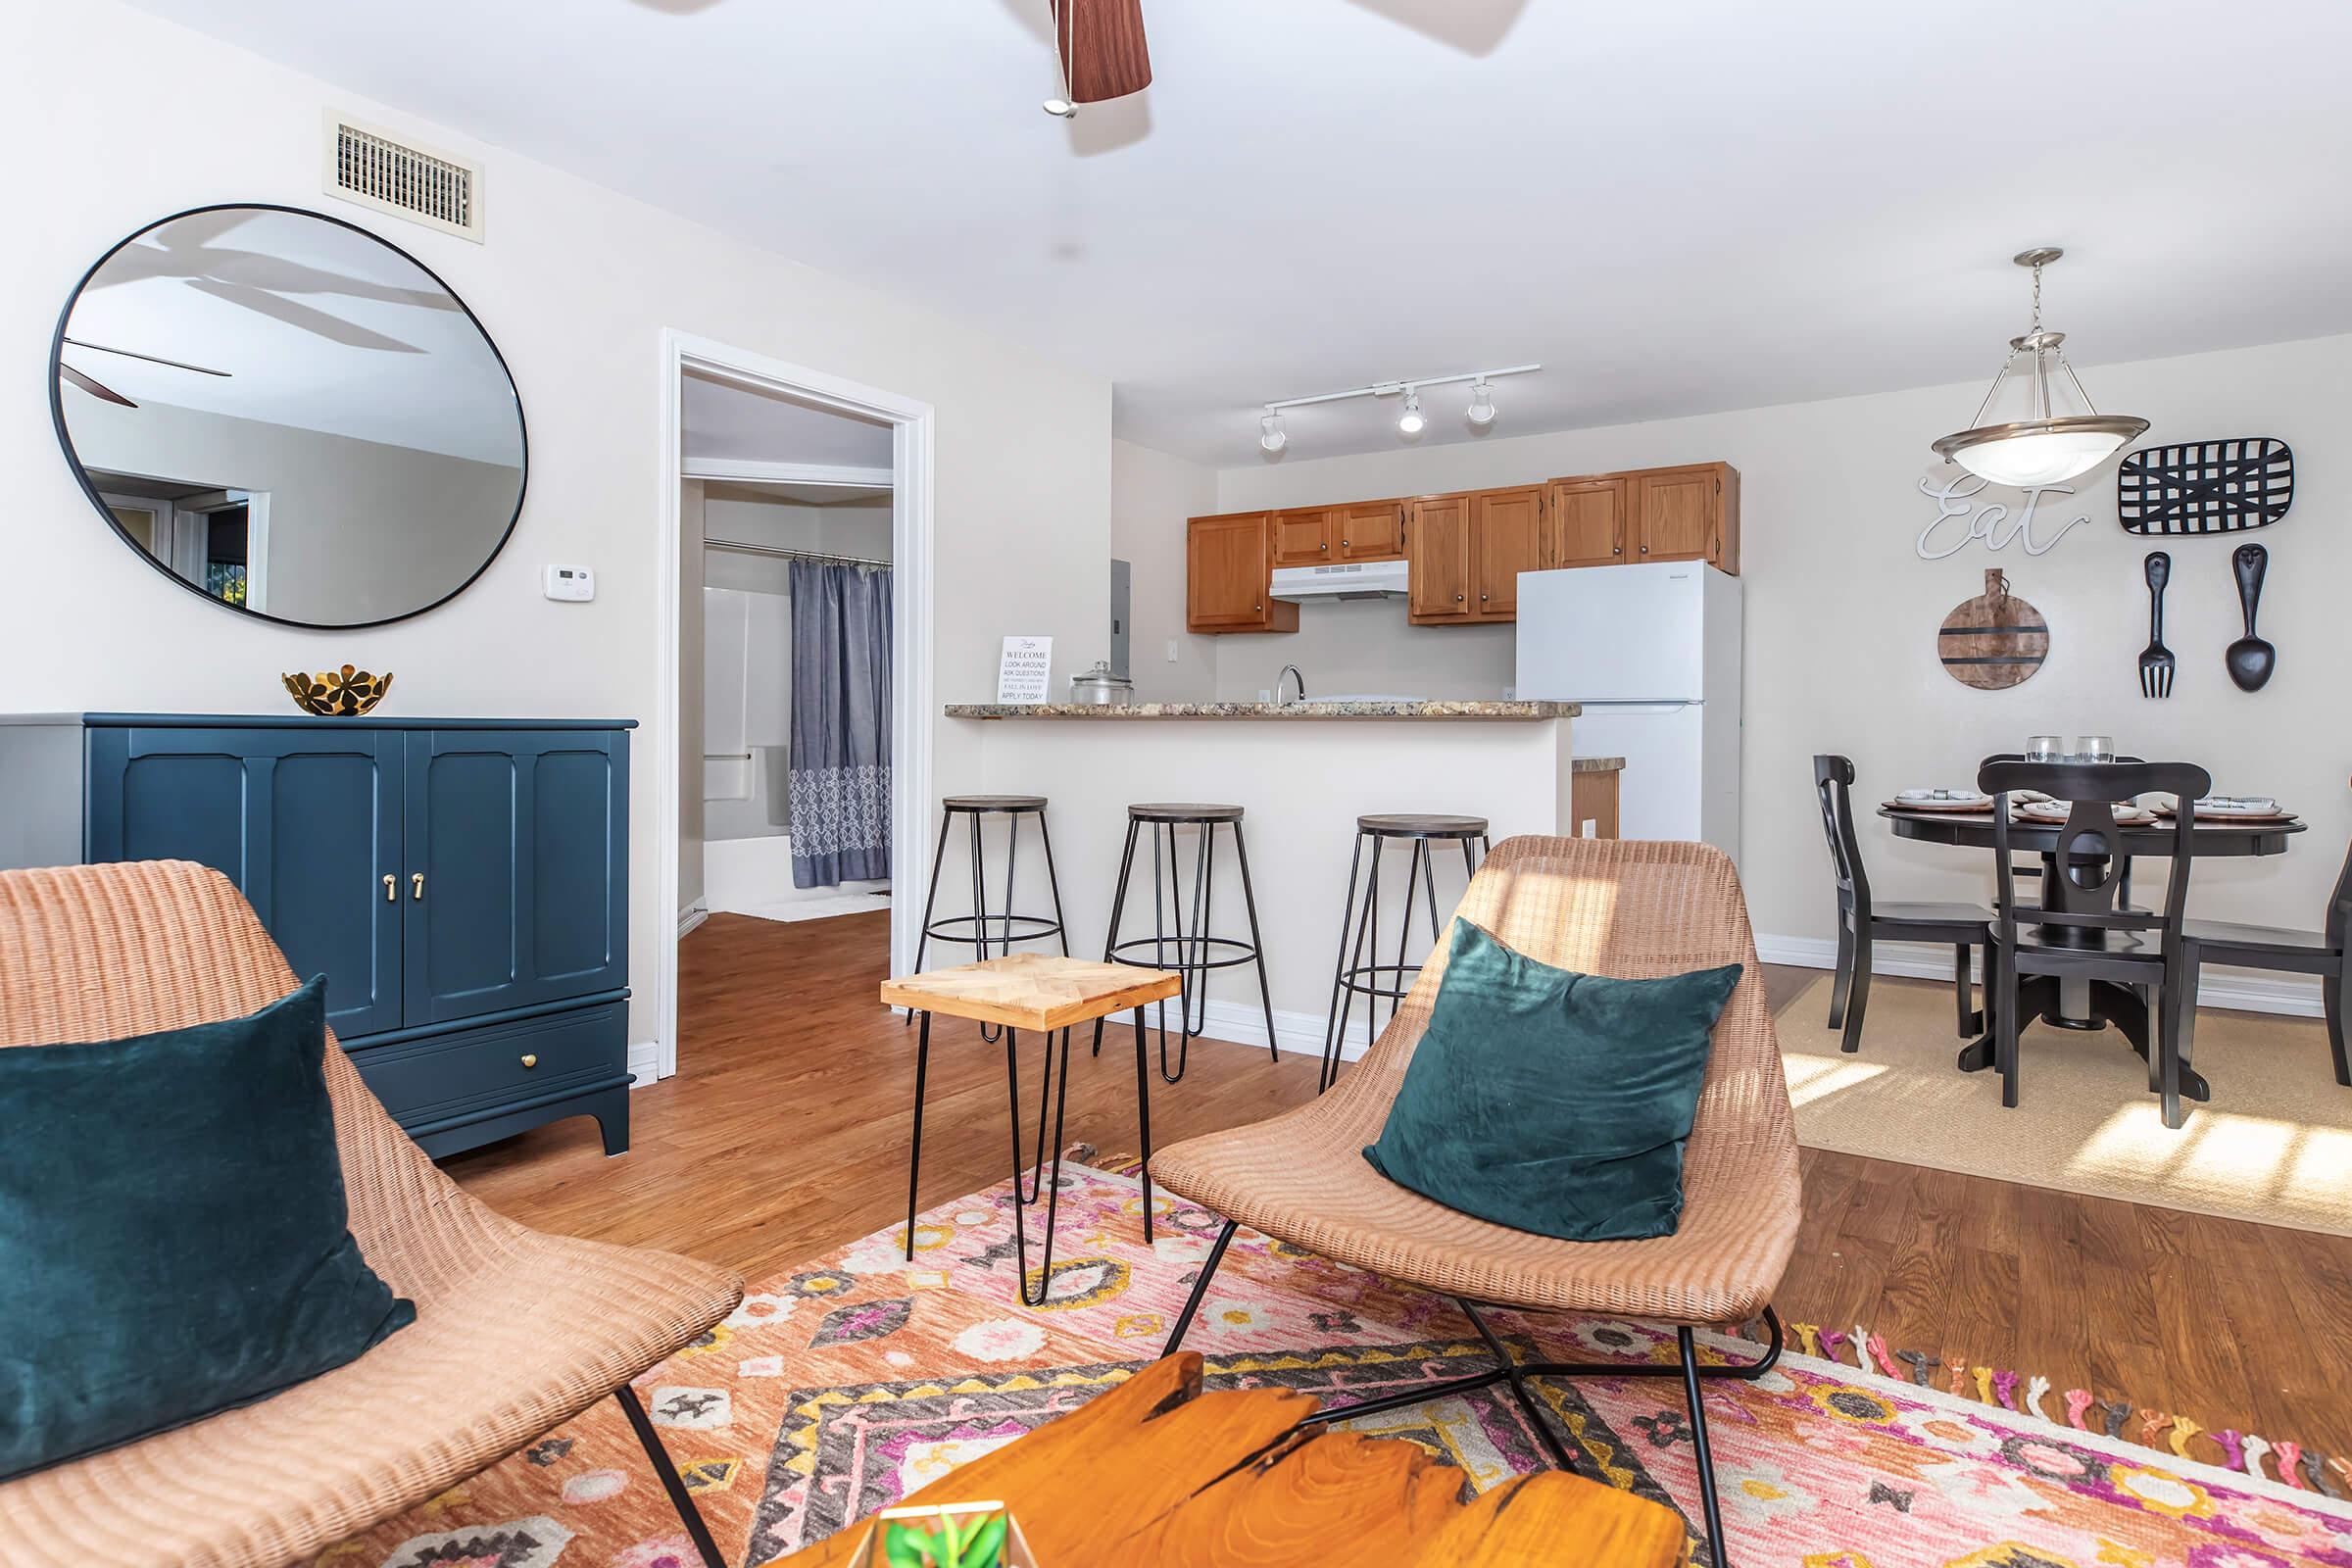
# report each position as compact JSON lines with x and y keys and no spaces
{"x":1604,"y":907}
{"x":515,"y":1332}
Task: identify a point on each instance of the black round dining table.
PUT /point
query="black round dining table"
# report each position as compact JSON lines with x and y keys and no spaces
{"x":2102,"y":1001}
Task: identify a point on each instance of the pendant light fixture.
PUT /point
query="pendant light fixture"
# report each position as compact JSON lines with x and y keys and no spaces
{"x":2045,"y":447}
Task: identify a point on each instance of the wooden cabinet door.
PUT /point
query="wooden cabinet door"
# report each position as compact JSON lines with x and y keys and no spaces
{"x":1675,"y":514}
{"x":1506,"y":538}
{"x":1303,"y":538}
{"x":305,"y":819}
{"x":1372,"y":531}
{"x":1227,"y":560}
{"x":1438,"y":544}
{"x":516,"y":890}
{"x":1585,"y":524}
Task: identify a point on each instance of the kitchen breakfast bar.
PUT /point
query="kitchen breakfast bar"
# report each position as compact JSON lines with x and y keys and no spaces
{"x":1301,"y":772}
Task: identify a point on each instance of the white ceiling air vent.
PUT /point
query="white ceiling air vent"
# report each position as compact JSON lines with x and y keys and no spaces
{"x":367,"y":166}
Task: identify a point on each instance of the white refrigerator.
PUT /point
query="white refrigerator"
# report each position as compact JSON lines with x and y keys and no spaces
{"x":1652,"y":653}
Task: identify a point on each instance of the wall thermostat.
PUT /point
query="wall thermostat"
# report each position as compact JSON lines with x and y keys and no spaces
{"x":571,"y":582}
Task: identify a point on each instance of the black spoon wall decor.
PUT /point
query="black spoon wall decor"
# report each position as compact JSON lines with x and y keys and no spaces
{"x":2251,"y":660}
{"x":2156,"y":661}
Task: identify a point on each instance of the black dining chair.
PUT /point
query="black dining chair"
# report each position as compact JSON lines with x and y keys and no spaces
{"x":1861,"y":920}
{"x":2256,"y":946}
{"x":2080,"y":931}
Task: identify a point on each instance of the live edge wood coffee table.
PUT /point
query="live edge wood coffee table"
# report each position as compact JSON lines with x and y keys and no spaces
{"x":1041,"y":993}
{"x":1156,"y":1472}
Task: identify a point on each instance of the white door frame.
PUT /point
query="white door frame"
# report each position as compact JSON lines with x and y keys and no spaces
{"x":911,"y":428}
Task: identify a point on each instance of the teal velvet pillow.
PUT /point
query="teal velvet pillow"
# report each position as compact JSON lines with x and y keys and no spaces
{"x":1553,"y":1101}
{"x":173,"y":1236}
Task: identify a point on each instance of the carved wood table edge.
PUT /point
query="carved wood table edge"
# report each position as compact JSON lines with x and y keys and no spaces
{"x":1155,"y":1471}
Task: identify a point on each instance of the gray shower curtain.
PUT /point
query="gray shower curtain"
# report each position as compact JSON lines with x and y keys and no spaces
{"x":840,"y":778}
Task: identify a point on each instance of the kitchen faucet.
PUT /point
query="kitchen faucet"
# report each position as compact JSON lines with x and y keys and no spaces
{"x":1288,"y":672}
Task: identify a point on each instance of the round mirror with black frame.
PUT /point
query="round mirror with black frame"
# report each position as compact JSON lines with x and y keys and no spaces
{"x":290,"y":415}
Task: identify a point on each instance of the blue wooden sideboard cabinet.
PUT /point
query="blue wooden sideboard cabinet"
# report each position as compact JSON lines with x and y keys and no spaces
{"x":463,"y":884}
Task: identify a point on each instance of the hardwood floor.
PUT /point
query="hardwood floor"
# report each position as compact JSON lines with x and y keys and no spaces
{"x":787,"y":1135}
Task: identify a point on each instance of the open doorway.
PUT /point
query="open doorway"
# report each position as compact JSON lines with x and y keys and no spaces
{"x":796,"y":649}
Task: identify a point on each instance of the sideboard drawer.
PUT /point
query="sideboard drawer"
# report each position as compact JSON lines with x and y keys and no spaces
{"x":446,"y":1080}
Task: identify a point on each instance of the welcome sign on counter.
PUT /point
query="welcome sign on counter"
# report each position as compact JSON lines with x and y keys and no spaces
{"x":1024,"y":669}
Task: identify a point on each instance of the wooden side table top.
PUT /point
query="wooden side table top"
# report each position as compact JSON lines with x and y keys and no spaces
{"x":1031,"y":990}
{"x":1155,"y":1471}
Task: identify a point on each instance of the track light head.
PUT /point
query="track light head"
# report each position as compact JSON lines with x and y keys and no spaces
{"x":1270,"y":434}
{"x":1482,"y":404}
{"x":1410,"y":422}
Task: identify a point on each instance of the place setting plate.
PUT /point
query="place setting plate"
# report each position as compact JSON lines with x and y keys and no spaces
{"x":2258,"y":809}
{"x":2058,"y":812}
{"x":1961,"y":802}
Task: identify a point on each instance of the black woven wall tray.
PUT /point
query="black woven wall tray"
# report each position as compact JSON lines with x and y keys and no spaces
{"x":2205,"y":486}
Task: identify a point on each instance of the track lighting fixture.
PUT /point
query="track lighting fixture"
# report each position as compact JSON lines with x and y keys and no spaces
{"x":1411,"y":421}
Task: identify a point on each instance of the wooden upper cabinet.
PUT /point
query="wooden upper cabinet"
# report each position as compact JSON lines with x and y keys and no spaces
{"x":1676,"y":514}
{"x":1688,"y":512}
{"x":1303,"y":538}
{"x":1437,"y":545}
{"x":1372,"y":530}
{"x":1585,"y":525}
{"x":1506,"y":538}
{"x":1227,"y":566}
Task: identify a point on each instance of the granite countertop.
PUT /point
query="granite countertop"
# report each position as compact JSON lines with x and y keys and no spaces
{"x":1597,"y":764}
{"x":1284,"y":710}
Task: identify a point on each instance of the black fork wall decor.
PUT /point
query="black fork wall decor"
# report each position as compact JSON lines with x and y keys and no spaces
{"x":2156,"y":661}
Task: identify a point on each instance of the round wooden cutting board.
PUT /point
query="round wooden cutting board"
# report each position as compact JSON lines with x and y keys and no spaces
{"x":1993,"y":640}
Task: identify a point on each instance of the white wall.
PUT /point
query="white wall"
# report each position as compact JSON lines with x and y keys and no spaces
{"x":1841,"y":614}
{"x":1151,"y":495}
{"x":1366,"y":648}
{"x":575,"y":284}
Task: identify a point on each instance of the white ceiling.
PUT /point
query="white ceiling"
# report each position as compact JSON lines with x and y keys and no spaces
{"x":1683,"y":206}
{"x":318,"y":326}
{"x":722,"y":419}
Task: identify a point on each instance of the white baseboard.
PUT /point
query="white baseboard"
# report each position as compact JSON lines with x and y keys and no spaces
{"x":2292,"y":995}
{"x":692,"y":915}
{"x":1297,"y":1033}
{"x":645,"y":1064}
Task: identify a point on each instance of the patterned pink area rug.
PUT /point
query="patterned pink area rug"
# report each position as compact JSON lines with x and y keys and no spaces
{"x":843,"y":1386}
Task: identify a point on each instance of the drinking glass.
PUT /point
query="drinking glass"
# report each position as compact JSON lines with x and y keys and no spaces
{"x":2043,"y":749}
{"x":2095,"y":748}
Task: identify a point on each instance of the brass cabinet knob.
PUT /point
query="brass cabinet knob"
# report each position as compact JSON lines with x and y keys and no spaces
{"x":390,"y":883}
{"x":416,"y":884}
{"x":1457,"y":598}
{"x":529,"y":1060}
{"x":1326,"y":546}
{"x":1645,"y":550}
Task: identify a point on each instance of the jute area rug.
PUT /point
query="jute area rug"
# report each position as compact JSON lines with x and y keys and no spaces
{"x":842,"y":1386}
{"x":2274,"y":1146}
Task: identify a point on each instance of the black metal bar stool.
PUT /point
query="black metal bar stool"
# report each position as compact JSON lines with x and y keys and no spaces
{"x":983,"y":930}
{"x":1187,"y":953}
{"x":1359,"y":926}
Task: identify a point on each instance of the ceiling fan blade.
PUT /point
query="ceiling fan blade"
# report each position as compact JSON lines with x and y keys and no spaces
{"x":150,"y":358}
{"x":96,"y":389}
{"x":1101,"y":47}
{"x":318,"y":322}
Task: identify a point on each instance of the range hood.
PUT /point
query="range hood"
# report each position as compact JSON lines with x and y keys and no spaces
{"x":1363,"y":579}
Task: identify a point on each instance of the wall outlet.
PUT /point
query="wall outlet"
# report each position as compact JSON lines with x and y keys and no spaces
{"x":1171,"y":650}
{"x":577,"y":584}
